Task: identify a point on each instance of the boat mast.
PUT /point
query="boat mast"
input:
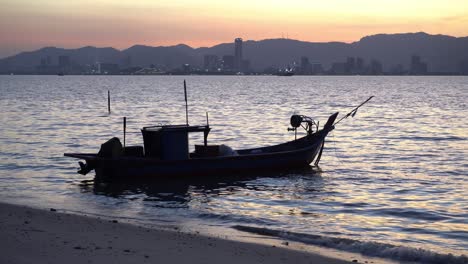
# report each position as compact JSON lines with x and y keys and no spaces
{"x":124,"y":130}
{"x":186,"y":105}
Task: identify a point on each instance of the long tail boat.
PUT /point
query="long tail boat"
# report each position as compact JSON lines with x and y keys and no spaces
{"x":165,"y":152}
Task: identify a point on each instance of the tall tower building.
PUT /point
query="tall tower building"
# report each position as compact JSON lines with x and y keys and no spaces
{"x":238,"y":54}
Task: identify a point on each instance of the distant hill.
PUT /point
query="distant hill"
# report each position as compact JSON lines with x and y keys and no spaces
{"x":442,"y":53}
{"x":171,"y":57}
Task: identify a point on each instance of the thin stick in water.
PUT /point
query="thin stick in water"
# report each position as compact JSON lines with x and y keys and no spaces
{"x":108,"y":101}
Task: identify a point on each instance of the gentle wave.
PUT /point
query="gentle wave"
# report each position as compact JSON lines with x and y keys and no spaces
{"x":420,"y":138}
{"x":412,"y":213}
{"x":238,"y":219}
{"x":373,"y":249}
{"x":395,"y":174}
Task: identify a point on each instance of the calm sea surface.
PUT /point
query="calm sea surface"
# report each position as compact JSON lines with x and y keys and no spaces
{"x":392,"y":181}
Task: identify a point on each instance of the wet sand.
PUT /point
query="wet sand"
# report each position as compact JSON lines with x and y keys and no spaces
{"x":51,"y":236}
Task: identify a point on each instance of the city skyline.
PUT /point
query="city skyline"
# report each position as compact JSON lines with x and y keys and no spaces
{"x":26,"y":26}
{"x":228,"y":59}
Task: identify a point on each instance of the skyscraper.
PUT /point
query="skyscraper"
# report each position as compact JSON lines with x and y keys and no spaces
{"x":417,"y":67}
{"x":228,"y":62}
{"x":238,"y":54}
{"x":210,"y":62}
{"x":305,"y":65}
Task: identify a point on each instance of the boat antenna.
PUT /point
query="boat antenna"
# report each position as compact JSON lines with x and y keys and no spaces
{"x":124,"y":130}
{"x":186,"y":105}
{"x":354,"y":111}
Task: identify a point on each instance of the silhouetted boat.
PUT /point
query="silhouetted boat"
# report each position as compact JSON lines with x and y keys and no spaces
{"x":165,"y":152}
{"x":285,"y":73}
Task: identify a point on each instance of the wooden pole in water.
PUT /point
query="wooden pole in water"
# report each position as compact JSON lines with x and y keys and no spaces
{"x":207,"y":130}
{"x":108,"y":101}
{"x":124,"y":129}
{"x":186,"y":105}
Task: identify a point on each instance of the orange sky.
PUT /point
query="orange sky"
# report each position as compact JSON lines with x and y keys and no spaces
{"x":28,"y":25}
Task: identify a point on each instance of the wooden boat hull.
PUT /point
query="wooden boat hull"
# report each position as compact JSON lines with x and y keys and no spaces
{"x":293,"y":154}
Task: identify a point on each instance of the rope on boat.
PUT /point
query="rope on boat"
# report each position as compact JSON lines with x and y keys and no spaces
{"x":334,"y":148}
{"x":354,"y":111}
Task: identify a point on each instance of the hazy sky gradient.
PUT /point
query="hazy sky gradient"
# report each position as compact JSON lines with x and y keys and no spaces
{"x":28,"y":25}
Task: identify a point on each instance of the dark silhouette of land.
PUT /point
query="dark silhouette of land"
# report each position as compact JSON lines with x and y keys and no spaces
{"x":410,"y":53}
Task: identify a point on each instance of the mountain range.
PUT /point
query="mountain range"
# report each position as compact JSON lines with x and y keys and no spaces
{"x":442,"y":53}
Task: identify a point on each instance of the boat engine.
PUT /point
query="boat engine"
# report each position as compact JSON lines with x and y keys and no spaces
{"x":110,"y":149}
{"x":305,"y":122}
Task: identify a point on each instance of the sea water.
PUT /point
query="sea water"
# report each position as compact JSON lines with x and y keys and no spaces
{"x":392,"y":181}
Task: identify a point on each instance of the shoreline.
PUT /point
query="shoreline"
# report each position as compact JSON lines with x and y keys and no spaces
{"x":39,"y":236}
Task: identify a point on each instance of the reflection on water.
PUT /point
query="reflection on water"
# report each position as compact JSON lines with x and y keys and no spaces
{"x":395,"y":174}
{"x":170,"y":192}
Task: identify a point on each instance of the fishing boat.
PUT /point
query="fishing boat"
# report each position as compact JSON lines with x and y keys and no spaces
{"x":286,"y":72}
{"x":165,"y":152}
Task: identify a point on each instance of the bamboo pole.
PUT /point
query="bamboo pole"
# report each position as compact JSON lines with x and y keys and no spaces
{"x":108,"y":102}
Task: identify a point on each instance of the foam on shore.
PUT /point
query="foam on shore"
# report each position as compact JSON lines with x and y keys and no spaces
{"x":373,"y":249}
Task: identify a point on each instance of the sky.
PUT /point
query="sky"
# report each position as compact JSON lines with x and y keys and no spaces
{"x":27,"y":25}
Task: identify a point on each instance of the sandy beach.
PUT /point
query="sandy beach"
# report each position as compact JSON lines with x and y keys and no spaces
{"x":51,"y":236}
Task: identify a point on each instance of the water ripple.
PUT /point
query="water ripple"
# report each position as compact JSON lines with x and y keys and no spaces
{"x":396,"y":173}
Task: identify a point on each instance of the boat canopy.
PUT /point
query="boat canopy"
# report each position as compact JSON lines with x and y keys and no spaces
{"x":170,"y":142}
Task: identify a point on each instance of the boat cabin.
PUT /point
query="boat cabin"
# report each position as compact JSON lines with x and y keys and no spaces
{"x":171,"y":142}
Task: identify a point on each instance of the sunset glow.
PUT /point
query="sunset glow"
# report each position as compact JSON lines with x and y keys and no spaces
{"x":28,"y":25}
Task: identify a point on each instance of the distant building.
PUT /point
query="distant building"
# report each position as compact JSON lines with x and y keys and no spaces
{"x":310,"y":68}
{"x":131,"y":70}
{"x":46,"y":67}
{"x":245,"y":66}
{"x":463,"y":67}
{"x":354,"y":66}
{"x":64,"y":61}
{"x":417,"y":67}
{"x":397,"y":70}
{"x":127,"y":61}
{"x":238,"y":54}
{"x":210,"y":63}
{"x":64,"y":64}
{"x":360,"y":67}
{"x":316,"y":68}
{"x":350,"y":66}
{"x":375,"y":68}
{"x":305,"y":66}
{"x":338,"y":68}
{"x":108,"y":68}
{"x":186,"y":68}
{"x":228,"y":63}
